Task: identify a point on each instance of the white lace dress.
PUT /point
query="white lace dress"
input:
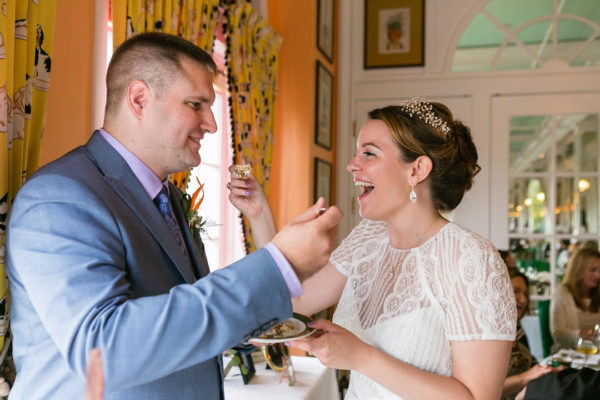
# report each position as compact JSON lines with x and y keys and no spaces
{"x":412,"y":303}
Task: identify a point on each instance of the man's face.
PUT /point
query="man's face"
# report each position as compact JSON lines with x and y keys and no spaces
{"x":178,"y":120}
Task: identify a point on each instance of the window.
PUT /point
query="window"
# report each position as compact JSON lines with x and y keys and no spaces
{"x":553,"y":191}
{"x":516,"y":34}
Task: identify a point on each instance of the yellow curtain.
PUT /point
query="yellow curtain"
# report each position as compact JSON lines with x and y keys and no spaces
{"x":26,"y":39}
{"x":252,"y":61}
{"x":194,"y":20}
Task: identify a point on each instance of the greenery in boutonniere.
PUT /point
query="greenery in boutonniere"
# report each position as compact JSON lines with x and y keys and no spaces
{"x":191,"y":204}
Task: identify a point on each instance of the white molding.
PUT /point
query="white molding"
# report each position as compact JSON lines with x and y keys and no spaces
{"x":99,"y":67}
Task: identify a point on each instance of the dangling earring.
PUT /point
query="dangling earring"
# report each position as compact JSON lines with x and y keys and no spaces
{"x":413,"y":195}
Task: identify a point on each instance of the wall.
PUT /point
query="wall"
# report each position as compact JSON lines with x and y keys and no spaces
{"x":294,"y":149}
{"x":69,"y":110}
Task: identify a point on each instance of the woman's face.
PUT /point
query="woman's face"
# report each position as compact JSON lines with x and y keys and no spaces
{"x":379,"y":172}
{"x":520,"y":290}
{"x":591,"y":276}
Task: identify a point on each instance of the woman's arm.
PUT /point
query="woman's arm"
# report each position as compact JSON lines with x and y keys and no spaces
{"x":479,"y":366}
{"x":513,"y":384}
{"x":321,"y":290}
{"x":564,"y":323}
{"x":247,"y":196}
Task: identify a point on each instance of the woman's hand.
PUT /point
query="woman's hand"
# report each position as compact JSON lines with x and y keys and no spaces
{"x":536,"y":371}
{"x":334,"y":346}
{"x":247,"y":196}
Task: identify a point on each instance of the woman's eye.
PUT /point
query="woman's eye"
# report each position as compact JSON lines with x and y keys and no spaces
{"x":368,"y":153}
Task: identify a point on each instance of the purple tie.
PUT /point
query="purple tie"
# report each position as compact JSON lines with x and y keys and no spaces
{"x":162,"y":202}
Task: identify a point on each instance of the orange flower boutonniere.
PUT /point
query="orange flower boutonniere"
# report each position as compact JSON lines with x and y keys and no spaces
{"x":191,"y":204}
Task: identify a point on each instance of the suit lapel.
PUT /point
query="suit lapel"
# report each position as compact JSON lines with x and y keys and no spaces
{"x":198,"y":255}
{"x":124,"y":183}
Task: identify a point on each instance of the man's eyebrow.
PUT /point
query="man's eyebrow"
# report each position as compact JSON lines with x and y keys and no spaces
{"x":199,"y":98}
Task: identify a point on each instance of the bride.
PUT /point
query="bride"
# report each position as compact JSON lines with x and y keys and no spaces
{"x":425,"y":307}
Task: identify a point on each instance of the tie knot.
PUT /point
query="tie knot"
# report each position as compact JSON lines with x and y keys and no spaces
{"x":162,"y":202}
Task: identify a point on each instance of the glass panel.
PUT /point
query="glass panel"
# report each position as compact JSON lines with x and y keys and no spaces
{"x":537,"y":38}
{"x":514,"y":57}
{"x":577,"y":143}
{"x":589,"y":56}
{"x":577,"y":205}
{"x":530,"y":144}
{"x":533,"y":259}
{"x":528,"y":205}
{"x":485,"y":34}
{"x":513,"y":13}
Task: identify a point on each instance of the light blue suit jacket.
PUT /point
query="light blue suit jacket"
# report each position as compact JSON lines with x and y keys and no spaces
{"x":92,"y":263}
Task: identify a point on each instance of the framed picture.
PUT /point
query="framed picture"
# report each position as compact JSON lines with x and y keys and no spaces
{"x":325,"y":27}
{"x":324,"y":111}
{"x":394,"y":33}
{"x":323,"y":180}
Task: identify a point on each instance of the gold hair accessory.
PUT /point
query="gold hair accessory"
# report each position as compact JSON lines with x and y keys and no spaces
{"x":424,"y":110}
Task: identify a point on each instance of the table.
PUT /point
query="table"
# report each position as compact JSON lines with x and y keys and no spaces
{"x":313,"y":382}
{"x":577,"y":359}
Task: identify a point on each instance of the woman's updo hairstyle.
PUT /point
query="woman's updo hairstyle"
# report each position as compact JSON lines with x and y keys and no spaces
{"x":421,"y":128}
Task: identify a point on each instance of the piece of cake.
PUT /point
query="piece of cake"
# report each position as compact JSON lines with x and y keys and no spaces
{"x":241,"y":171}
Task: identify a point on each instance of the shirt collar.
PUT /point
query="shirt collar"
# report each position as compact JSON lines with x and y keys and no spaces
{"x":150,"y":182}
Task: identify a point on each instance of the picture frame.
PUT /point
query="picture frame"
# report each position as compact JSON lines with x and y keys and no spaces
{"x":394,"y":33}
{"x":323,"y":180}
{"x":324,"y":107}
{"x":325,"y":28}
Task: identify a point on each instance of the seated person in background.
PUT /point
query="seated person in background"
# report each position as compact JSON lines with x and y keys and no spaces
{"x":523,"y":367}
{"x":575,"y":306}
{"x":508,"y":258}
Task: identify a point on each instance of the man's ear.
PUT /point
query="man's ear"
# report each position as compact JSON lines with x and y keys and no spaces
{"x":138,"y":97}
{"x":420,"y":169}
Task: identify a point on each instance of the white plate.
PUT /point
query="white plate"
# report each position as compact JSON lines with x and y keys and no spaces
{"x":301,"y":329}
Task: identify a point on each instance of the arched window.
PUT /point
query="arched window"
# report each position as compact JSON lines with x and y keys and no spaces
{"x":532,"y":34}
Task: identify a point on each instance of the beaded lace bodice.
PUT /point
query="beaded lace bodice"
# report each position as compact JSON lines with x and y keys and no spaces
{"x":411,"y":303}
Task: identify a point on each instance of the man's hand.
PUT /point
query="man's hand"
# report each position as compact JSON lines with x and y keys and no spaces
{"x":309,"y":239}
{"x":94,"y":386}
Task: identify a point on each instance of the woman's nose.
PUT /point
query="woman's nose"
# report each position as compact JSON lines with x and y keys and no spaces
{"x":352,"y":165}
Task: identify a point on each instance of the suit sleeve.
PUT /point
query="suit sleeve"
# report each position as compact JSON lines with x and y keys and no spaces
{"x":67,"y":253}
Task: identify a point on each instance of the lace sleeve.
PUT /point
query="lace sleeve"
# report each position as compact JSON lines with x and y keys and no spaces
{"x":480,"y":303}
{"x":343,"y":255}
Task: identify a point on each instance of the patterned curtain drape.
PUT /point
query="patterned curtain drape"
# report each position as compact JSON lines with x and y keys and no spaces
{"x":26,"y":39}
{"x":252,"y":62}
{"x":194,"y":20}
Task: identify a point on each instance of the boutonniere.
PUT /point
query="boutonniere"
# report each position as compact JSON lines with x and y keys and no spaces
{"x":191,"y":204}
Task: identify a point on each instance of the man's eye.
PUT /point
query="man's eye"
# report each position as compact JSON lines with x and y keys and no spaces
{"x":195,"y":105}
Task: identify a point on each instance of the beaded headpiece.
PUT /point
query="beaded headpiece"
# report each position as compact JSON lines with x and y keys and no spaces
{"x":423,"y":110}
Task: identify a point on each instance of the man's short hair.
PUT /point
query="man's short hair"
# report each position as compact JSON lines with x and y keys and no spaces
{"x":154,"y":58}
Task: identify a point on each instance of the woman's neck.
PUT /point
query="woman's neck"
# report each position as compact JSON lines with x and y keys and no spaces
{"x":414,"y":227}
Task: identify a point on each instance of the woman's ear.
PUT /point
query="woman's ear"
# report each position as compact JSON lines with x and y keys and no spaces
{"x":420,"y":169}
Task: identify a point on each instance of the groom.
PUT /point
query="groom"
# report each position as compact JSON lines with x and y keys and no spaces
{"x":94,"y":263}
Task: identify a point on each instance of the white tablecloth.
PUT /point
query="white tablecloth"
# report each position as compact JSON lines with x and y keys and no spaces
{"x":313,"y":381}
